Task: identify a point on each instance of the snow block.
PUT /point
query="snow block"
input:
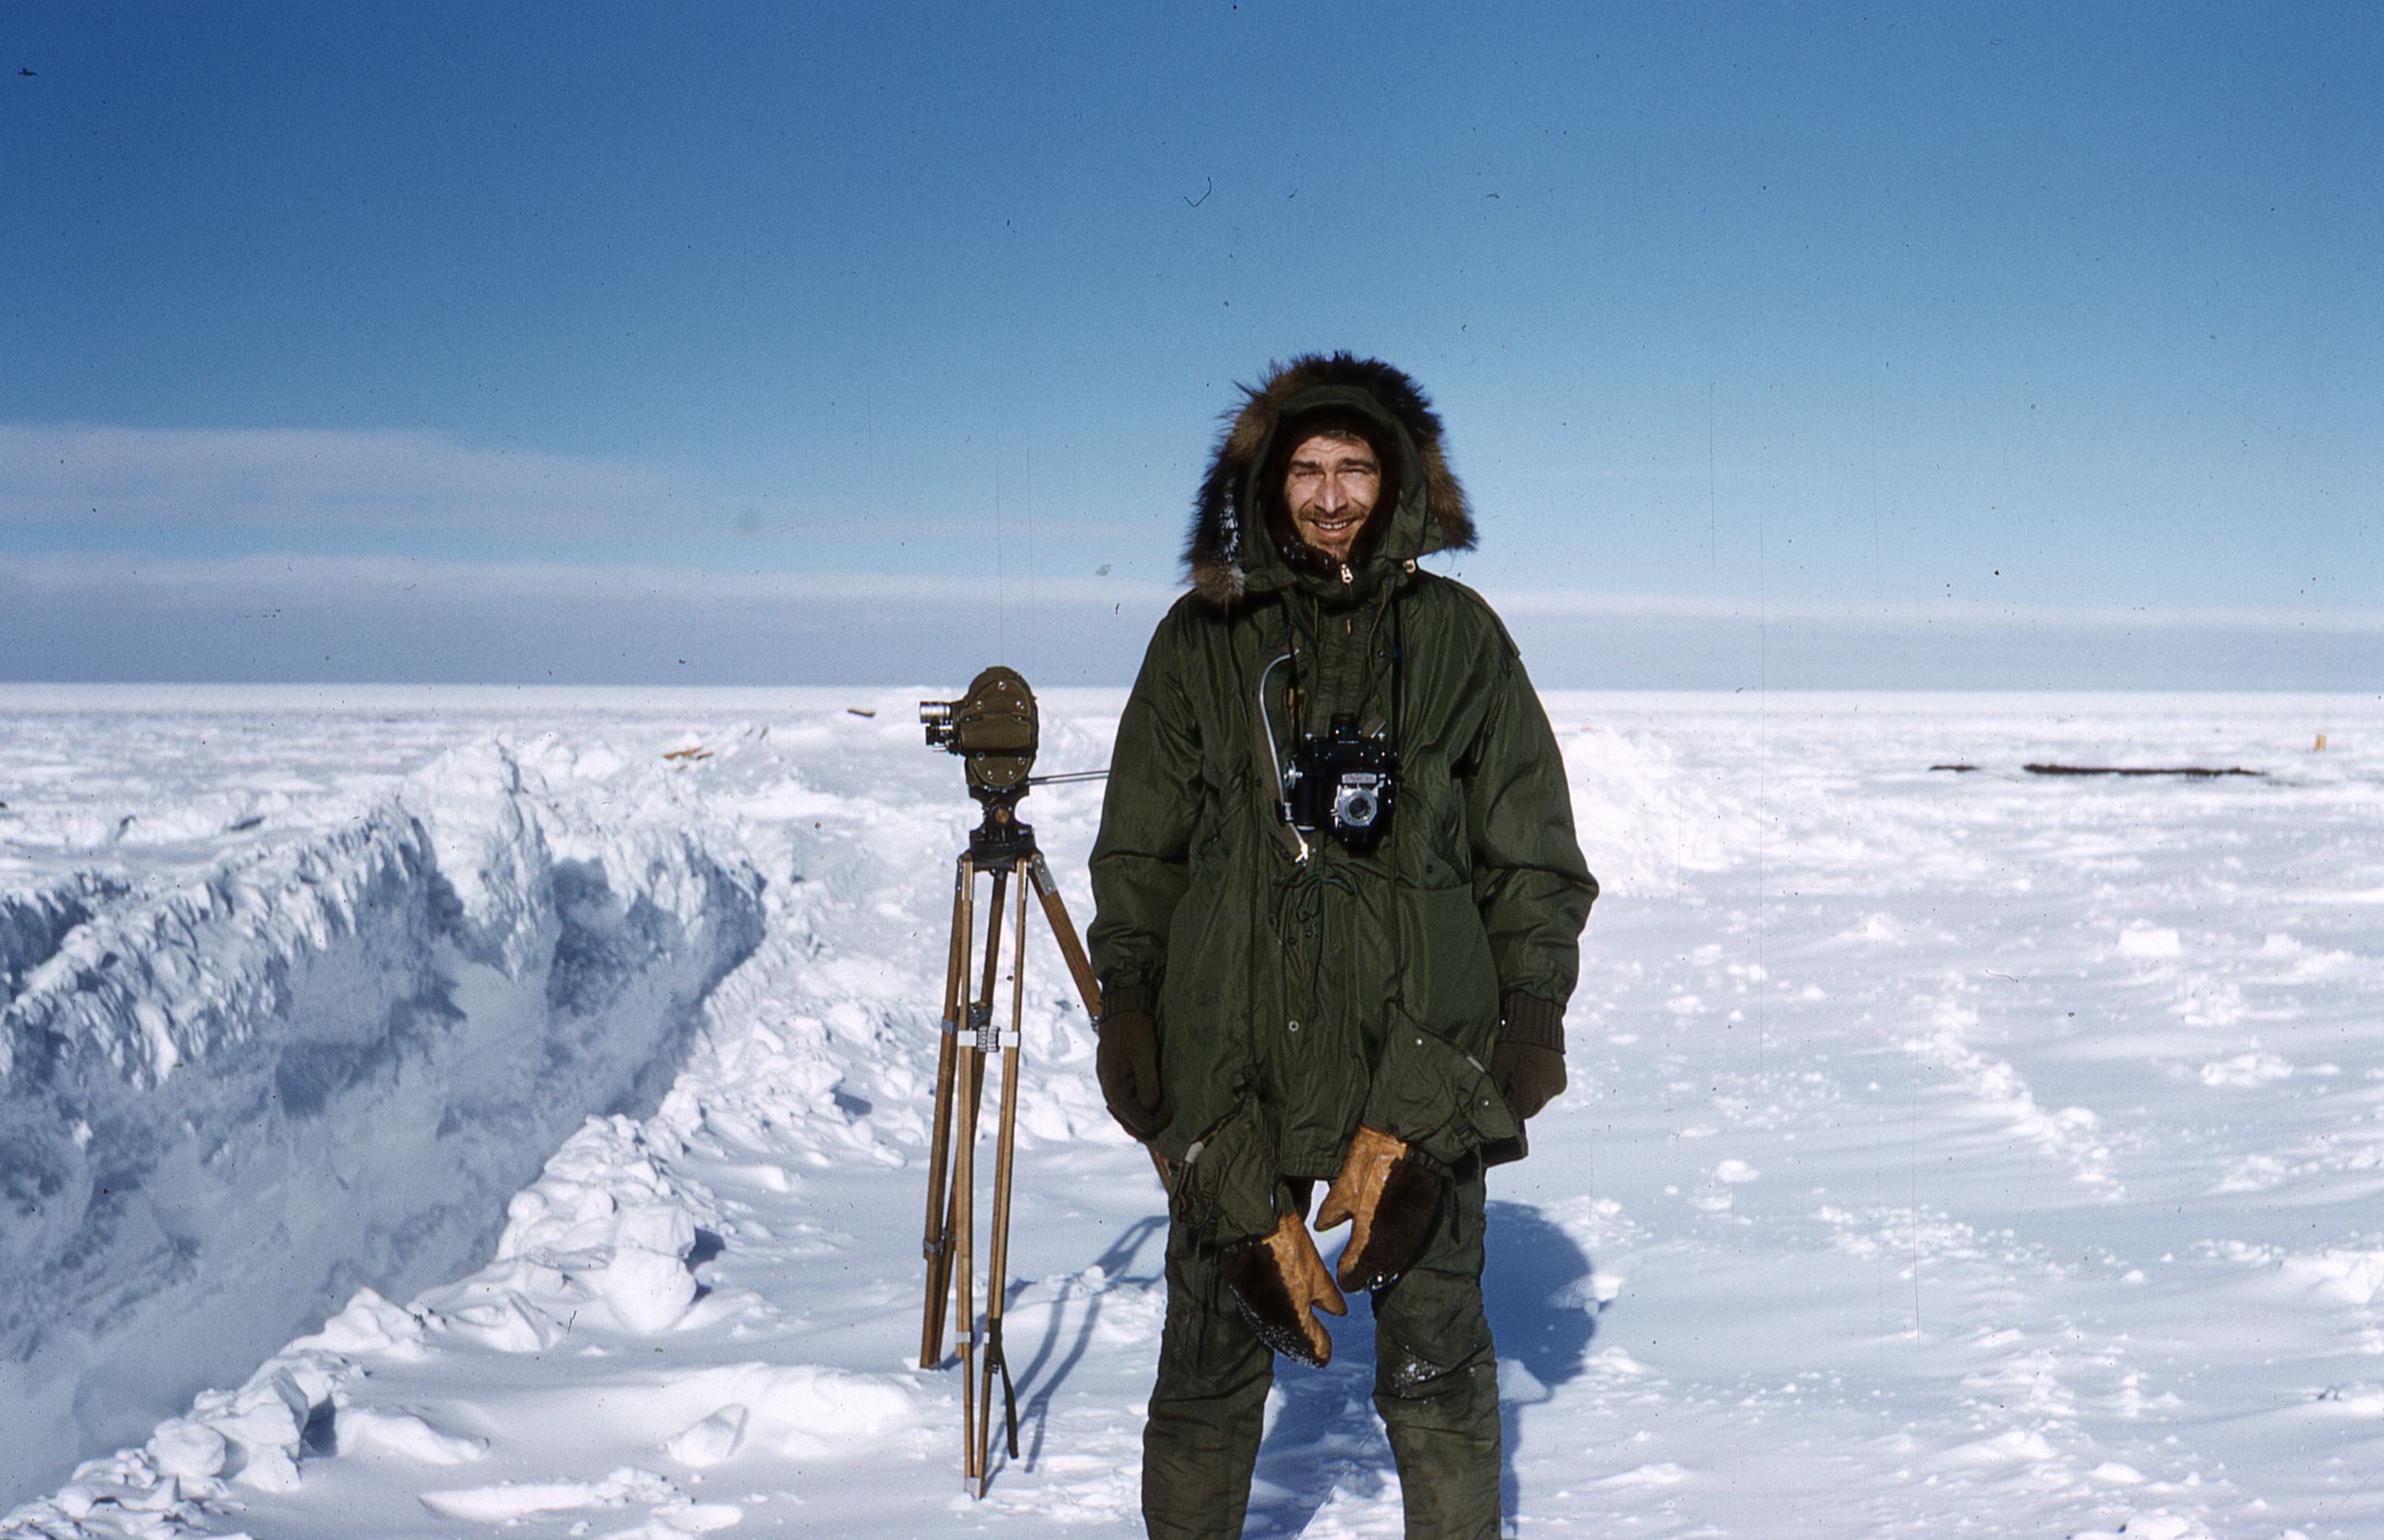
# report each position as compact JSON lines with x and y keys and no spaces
{"x":33,"y":925}
{"x":228,"y":1103}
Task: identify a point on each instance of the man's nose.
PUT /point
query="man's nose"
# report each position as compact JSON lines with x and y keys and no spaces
{"x":1331,"y":497}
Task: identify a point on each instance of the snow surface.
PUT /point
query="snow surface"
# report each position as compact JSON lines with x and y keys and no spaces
{"x":432,"y":1113}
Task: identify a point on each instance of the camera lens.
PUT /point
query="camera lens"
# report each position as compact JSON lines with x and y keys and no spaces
{"x":1358,"y":804}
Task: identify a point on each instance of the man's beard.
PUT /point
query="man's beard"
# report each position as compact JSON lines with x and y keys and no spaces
{"x":1297,"y":548}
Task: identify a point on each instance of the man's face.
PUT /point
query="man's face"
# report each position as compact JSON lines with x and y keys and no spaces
{"x":1331,"y":488}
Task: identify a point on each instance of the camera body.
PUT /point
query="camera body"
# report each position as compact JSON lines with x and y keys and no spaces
{"x":995,"y":728}
{"x":1342,"y":783}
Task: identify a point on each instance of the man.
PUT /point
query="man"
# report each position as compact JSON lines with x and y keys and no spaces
{"x":1338,"y":909}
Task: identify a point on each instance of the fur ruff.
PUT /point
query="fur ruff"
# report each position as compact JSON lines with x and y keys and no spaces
{"x":1227,"y":516}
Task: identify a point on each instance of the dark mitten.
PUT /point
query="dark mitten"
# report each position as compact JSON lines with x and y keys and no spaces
{"x":1280,"y":1283}
{"x":1527,"y":1065}
{"x":1389,"y":1195}
{"x":1127,"y":1063}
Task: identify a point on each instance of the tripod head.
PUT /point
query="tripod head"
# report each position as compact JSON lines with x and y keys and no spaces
{"x":995,"y":729}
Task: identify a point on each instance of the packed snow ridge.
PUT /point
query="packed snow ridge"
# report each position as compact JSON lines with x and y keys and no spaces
{"x":232,"y":1096}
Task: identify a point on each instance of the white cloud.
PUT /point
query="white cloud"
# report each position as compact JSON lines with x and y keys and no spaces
{"x":1949,"y":615}
{"x":130,"y":616}
{"x":79,"y":475}
{"x":127,"y":617}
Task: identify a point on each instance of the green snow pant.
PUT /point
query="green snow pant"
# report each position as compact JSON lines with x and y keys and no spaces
{"x":1435,"y":1386}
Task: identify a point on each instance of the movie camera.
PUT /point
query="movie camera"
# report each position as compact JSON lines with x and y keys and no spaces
{"x":995,"y":731}
{"x":993,"y":727}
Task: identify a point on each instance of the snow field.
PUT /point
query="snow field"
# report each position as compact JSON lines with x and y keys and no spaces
{"x":1947,"y":1152}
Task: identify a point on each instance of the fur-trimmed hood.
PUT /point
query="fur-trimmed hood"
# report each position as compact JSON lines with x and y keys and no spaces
{"x":1231,"y":551}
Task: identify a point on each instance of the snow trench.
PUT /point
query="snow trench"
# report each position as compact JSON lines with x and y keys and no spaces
{"x":228,"y":1103}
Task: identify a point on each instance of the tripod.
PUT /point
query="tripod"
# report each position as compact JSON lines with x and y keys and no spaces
{"x":1002,"y":847}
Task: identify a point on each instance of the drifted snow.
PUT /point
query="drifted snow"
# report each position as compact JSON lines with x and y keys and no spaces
{"x":1947,"y":1152}
{"x":243,"y":1084}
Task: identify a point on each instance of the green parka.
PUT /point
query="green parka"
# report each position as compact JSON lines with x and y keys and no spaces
{"x":1290,"y":975}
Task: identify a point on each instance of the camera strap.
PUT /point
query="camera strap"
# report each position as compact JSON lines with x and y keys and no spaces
{"x":1332,"y":672}
{"x":1279,"y":788}
{"x":1338,"y":683}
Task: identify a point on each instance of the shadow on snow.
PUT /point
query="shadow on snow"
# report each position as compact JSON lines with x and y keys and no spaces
{"x":1323,"y":1437}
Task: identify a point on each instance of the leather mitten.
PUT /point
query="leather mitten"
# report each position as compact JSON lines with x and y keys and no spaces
{"x":1389,"y":1195}
{"x":1280,"y":1282}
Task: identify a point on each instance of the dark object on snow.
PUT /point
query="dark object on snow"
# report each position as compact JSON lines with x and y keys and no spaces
{"x":2129,"y":770}
{"x":1961,"y":768}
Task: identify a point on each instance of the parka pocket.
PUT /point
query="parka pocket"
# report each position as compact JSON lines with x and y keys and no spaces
{"x":1437,"y":1098}
{"x":1434,"y":852}
{"x":1226,"y":1186}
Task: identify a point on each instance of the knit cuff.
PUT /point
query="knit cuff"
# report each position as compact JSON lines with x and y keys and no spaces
{"x":1125,"y":999}
{"x":1532,"y":1021}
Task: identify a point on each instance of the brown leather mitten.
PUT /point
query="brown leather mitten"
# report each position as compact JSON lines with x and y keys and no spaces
{"x":1280,"y":1282}
{"x":1392,"y":1193}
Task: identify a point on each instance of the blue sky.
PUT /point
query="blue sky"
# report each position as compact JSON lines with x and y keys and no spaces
{"x":1987,"y":345}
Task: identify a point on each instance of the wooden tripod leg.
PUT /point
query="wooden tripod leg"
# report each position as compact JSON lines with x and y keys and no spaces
{"x":1064,"y":930}
{"x":936,"y":1244}
{"x":997,"y":1272}
{"x":1080,"y":968}
{"x":966,"y":1327}
{"x":963,"y":1223}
